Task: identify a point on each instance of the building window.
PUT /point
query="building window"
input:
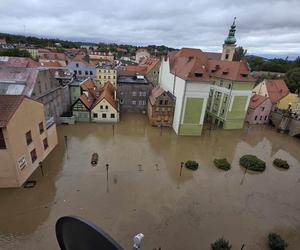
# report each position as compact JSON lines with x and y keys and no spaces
{"x":255,"y":118}
{"x":95,"y":115}
{"x":2,"y":140}
{"x":229,"y":85}
{"x":106,"y":107}
{"x":262,"y":108}
{"x":260,"y":117}
{"x":86,"y":73}
{"x":28,"y":137}
{"x":121,"y":101}
{"x":157,"y":109}
{"x":133,"y":93}
{"x":41,"y":127}
{"x":140,"y":102}
{"x":144,"y":102}
{"x":222,"y":112}
{"x":108,"y":77}
{"x":114,"y":77}
{"x":79,"y":72}
{"x":144,"y":93}
{"x":45,"y":142}
{"x":91,"y":73}
{"x":101,"y":107}
{"x":227,"y":56}
{"x":112,"y":115}
{"x":266,"y":117}
{"x":133,"y":102}
{"x":166,"y":102}
{"x":77,"y":65}
{"x":33,"y":156}
{"x":160,"y":102}
{"x":104,"y":77}
{"x":103,"y":115}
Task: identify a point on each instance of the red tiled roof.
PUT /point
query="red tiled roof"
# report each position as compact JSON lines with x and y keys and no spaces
{"x":8,"y":106}
{"x":150,"y":63}
{"x":18,"y":62}
{"x":52,"y":56}
{"x":134,"y":69}
{"x":277,"y":89}
{"x":87,"y":100}
{"x":257,"y":100}
{"x":51,"y":64}
{"x":213,"y":55}
{"x":156,"y":92}
{"x":107,"y":93}
{"x":87,"y":84}
{"x":195,"y":65}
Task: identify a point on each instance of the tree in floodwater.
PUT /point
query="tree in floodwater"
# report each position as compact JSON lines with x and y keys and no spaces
{"x":221,"y":244}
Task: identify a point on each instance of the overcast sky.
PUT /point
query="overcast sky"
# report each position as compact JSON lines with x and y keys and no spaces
{"x":263,"y":26}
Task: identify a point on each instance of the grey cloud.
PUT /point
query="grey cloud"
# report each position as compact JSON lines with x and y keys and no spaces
{"x":263,"y":27}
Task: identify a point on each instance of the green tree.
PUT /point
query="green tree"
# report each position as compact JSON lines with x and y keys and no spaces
{"x":15,"y":52}
{"x":292,"y":79}
{"x":239,"y":54}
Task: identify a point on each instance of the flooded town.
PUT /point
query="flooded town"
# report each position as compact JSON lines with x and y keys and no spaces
{"x":165,"y":130}
{"x":144,"y":192}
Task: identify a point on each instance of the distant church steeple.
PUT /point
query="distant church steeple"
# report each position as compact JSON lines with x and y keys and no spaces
{"x":229,"y":43}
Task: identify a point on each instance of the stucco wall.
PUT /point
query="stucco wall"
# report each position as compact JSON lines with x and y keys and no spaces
{"x":27,"y":118}
{"x":107,"y":109}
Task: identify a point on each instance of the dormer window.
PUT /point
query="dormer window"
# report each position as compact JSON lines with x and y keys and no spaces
{"x":198,"y":74}
{"x":244,"y":75}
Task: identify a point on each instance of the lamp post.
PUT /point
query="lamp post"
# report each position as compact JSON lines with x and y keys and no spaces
{"x":107,"y":166}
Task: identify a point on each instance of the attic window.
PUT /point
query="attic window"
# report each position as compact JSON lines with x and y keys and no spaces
{"x":198,"y":74}
{"x":225,"y":72}
{"x":244,"y":75}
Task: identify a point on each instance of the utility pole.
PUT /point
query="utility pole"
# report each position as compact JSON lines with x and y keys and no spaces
{"x":107,"y":166}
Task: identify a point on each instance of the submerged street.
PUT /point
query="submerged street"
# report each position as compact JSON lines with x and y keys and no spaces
{"x":145,"y":193}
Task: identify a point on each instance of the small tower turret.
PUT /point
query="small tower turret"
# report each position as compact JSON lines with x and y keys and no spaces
{"x":229,"y":43}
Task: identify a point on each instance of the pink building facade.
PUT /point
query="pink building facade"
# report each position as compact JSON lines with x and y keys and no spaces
{"x":259,"y":110}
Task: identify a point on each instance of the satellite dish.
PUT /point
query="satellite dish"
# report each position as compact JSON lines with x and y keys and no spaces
{"x":75,"y":233}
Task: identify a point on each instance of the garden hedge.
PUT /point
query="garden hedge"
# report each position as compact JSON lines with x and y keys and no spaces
{"x":193,"y":165}
{"x":276,"y":242}
{"x":281,"y":163}
{"x":253,"y":163}
{"x":221,"y":244}
{"x":222,"y":164}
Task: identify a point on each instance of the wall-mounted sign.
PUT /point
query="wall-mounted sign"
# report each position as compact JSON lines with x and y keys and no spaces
{"x":22,"y":162}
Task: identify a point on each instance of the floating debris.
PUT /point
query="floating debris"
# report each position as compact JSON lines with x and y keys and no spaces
{"x":94,"y":159}
{"x":29,"y":184}
{"x":140,"y":167}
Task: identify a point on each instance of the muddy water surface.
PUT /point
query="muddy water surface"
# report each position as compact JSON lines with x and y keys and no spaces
{"x":144,"y":192}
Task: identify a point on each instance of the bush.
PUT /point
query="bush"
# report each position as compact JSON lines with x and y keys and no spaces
{"x":221,"y":244}
{"x":193,"y":165}
{"x":222,"y":164}
{"x":281,"y":163}
{"x":276,"y":242}
{"x":253,"y":163}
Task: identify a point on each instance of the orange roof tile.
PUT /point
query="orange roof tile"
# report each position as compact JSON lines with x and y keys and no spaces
{"x":257,"y":100}
{"x":195,"y":65}
{"x":107,"y":93}
{"x":87,"y":84}
{"x":277,"y":89}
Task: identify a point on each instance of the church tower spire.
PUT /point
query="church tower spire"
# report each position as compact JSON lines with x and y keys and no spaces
{"x":229,"y":43}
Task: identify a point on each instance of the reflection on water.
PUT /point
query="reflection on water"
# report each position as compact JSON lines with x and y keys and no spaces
{"x":144,"y":192}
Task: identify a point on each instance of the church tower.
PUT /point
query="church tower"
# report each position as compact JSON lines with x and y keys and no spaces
{"x":229,"y":44}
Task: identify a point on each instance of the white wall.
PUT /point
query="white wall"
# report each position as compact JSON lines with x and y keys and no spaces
{"x":108,"y":112}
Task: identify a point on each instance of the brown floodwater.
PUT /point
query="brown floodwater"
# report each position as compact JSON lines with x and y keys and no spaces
{"x":145,"y":194}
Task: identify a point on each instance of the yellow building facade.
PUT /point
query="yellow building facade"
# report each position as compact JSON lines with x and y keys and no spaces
{"x":106,"y":74}
{"x":25,"y":139}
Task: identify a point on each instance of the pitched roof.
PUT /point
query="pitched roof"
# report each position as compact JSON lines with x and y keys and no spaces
{"x":150,"y":63}
{"x":8,"y":106}
{"x":52,"y":56}
{"x":134,"y":69}
{"x":107,"y":93}
{"x":158,"y":91}
{"x":87,"y":100}
{"x":256,"y":100}
{"x":213,"y":55}
{"x":277,"y":89}
{"x":18,"y":81}
{"x":52,"y":64}
{"x":18,"y":62}
{"x":196,"y":65}
{"x":87,"y":84}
